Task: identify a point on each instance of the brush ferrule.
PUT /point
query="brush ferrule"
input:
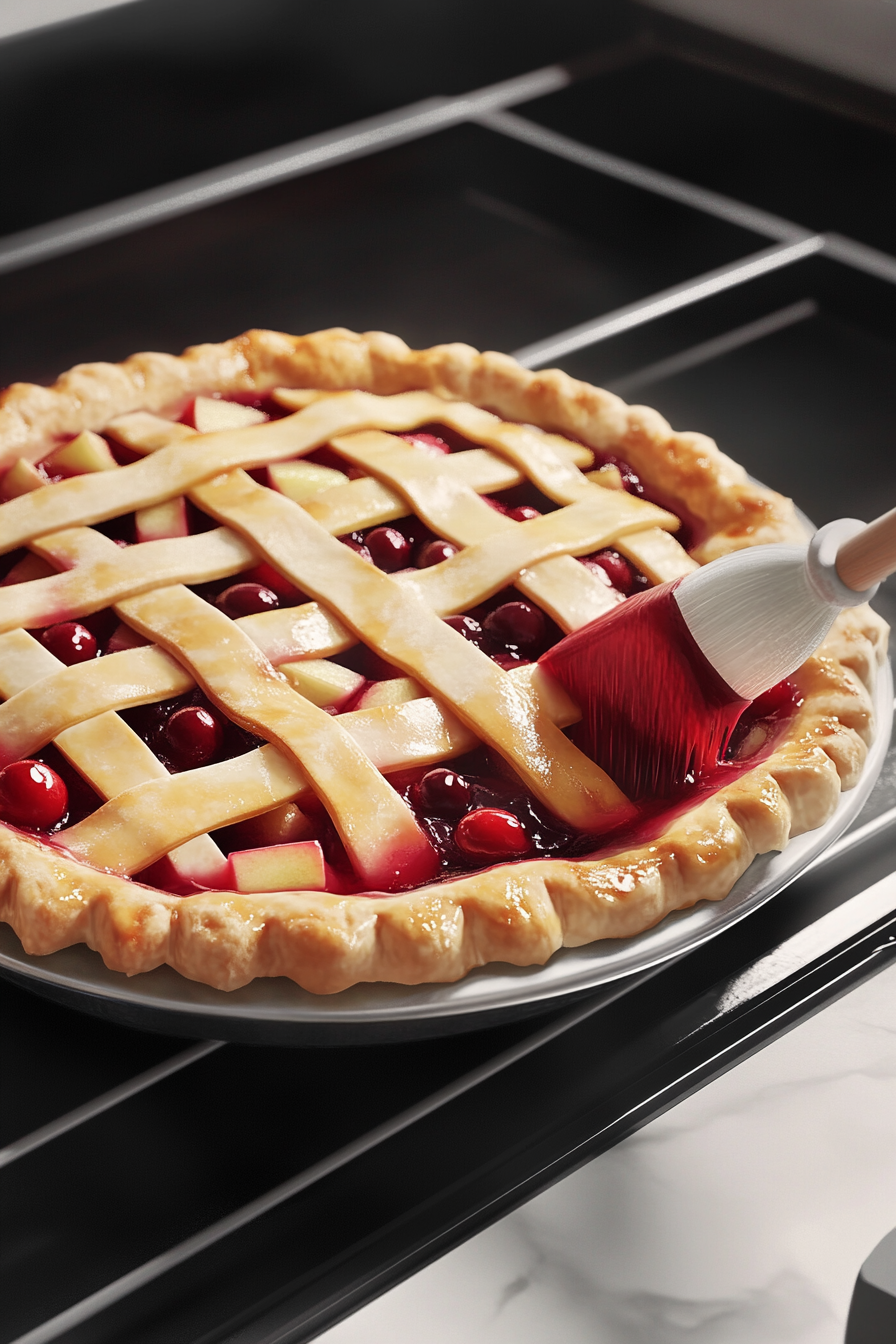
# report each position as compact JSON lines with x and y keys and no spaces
{"x":821,"y":564}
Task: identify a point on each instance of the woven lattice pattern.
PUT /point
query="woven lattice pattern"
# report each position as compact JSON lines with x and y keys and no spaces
{"x":246,"y":666}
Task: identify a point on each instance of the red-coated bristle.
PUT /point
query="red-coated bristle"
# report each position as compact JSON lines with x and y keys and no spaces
{"x":655,"y":713}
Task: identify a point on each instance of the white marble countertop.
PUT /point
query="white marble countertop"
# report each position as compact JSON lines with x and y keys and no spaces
{"x":742,"y":1216}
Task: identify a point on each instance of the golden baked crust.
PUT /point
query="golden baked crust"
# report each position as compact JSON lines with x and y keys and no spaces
{"x":518,"y":913}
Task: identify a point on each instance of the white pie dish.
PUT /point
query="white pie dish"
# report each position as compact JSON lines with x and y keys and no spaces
{"x":277,"y":1011}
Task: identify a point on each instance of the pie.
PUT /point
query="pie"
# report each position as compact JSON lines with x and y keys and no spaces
{"x":269,"y":631}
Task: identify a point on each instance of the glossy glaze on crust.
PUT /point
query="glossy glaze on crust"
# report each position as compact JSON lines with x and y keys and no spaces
{"x":518,"y":913}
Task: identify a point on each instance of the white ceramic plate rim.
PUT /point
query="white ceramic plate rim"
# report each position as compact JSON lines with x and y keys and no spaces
{"x":487,"y":989}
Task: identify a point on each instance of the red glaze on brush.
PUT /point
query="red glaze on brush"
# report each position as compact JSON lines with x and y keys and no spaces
{"x":655,"y":713}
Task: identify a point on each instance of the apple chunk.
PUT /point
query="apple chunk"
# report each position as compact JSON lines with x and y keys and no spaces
{"x":211,"y":414}
{"x":301,"y":480}
{"x":88,"y":452}
{"x":395,"y":691}
{"x":325,"y":684}
{"x":281,"y":826}
{"x":168,"y":519}
{"x":22,"y":477}
{"x":298,"y":867}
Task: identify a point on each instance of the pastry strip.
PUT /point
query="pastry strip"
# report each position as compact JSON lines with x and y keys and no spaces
{"x":381,"y":835}
{"x":407,"y":633}
{"x":106,"y":752}
{"x":567,"y":591}
{"x":172,"y":470}
{"x":135,"y":828}
{"x":478,"y":571}
{"x":92,"y":586}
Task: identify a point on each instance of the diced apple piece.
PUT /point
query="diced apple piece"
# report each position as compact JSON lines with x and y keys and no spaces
{"x":608,"y":476}
{"x":22,"y":477}
{"x":325,"y":684}
{"x":88,"y":452}
{"x":297,"y":398}
{"x":395,"y":691}
{"x":30,"y":566}
{"x":298,"y":867}
{"x":168,"y":519}
{"x":283,"y":825}
{"x":211,"y":414}
{"x":300,"y":480}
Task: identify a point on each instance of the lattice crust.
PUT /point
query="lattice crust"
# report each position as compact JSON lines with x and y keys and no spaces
{"x":456,"y":698}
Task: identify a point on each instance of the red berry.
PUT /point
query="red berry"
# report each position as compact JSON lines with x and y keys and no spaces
{"x":496,"y":504}
{"x":444,"y":794}
{"x":71,"y":642}
{"x":269,"y":577}
{"x":524,"y":513}
{"x":516,"y":625}
{"x":246,"y":599}
{"x":616,"y":567}
{"x":466,"y":626}
{"x":434,"y":552}
{"x":510,"y":658}
{"x":430,"y":443}
{"x":358,"y":547}
{"x":194,"y":735}
{"x":491,"y":833}
{"x":32,"y":795}
{"x":389,"y":549}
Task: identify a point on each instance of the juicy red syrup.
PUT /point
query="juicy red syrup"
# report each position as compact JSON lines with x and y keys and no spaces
{"x":655,"y":713}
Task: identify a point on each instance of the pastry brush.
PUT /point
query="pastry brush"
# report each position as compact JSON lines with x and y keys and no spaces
{"x":663,"y":678}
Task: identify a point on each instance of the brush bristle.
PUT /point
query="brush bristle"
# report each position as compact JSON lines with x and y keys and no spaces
{"x":655,"y":713}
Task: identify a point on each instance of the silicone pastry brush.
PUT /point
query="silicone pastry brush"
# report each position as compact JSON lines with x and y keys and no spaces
{"x":663,"y":678}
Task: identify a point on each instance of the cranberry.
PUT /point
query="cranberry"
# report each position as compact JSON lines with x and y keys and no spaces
{"x":269,"y":577}
{"x":194,"y":735}
{"x":389,"y":549}
{"x":617,"y":569}
{"x":71,"y":642}
{"x":430,"y":443}
{"x":358,"y":547}
{"x":523,"y":513}
{"x":491,"y":833}
{"x":516,"y":625}
{"x":33,"y":795}
{"x":434,"y":552}
{"x":466,"y":626}
{"x":444,"y":793}
{"x":509,"y":659}
{"x":246,"y":599}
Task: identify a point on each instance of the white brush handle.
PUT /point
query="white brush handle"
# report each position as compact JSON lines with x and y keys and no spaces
{"x":758,"y":614}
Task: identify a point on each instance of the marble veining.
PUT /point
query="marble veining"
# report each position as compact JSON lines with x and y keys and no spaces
{"x":740,"y":1217}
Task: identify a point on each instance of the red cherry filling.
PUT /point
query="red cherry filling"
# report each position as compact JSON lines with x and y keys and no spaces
{"x":444,"y":793}
{"x":518,"y":626}
{"x":32,"y":795}
{"x":434,"y":552}
{"x":467,"y":626}
{"x":194,"y":735}
{"x":619,"y":572}
{"x":358,"y":547}
{"x":389,"y":549}
{"x":70,"y":642}
{"x":523,"y":513}
{"x":491,"y":833}
{"x":246,"y":599}
{"x":268,"y":577}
